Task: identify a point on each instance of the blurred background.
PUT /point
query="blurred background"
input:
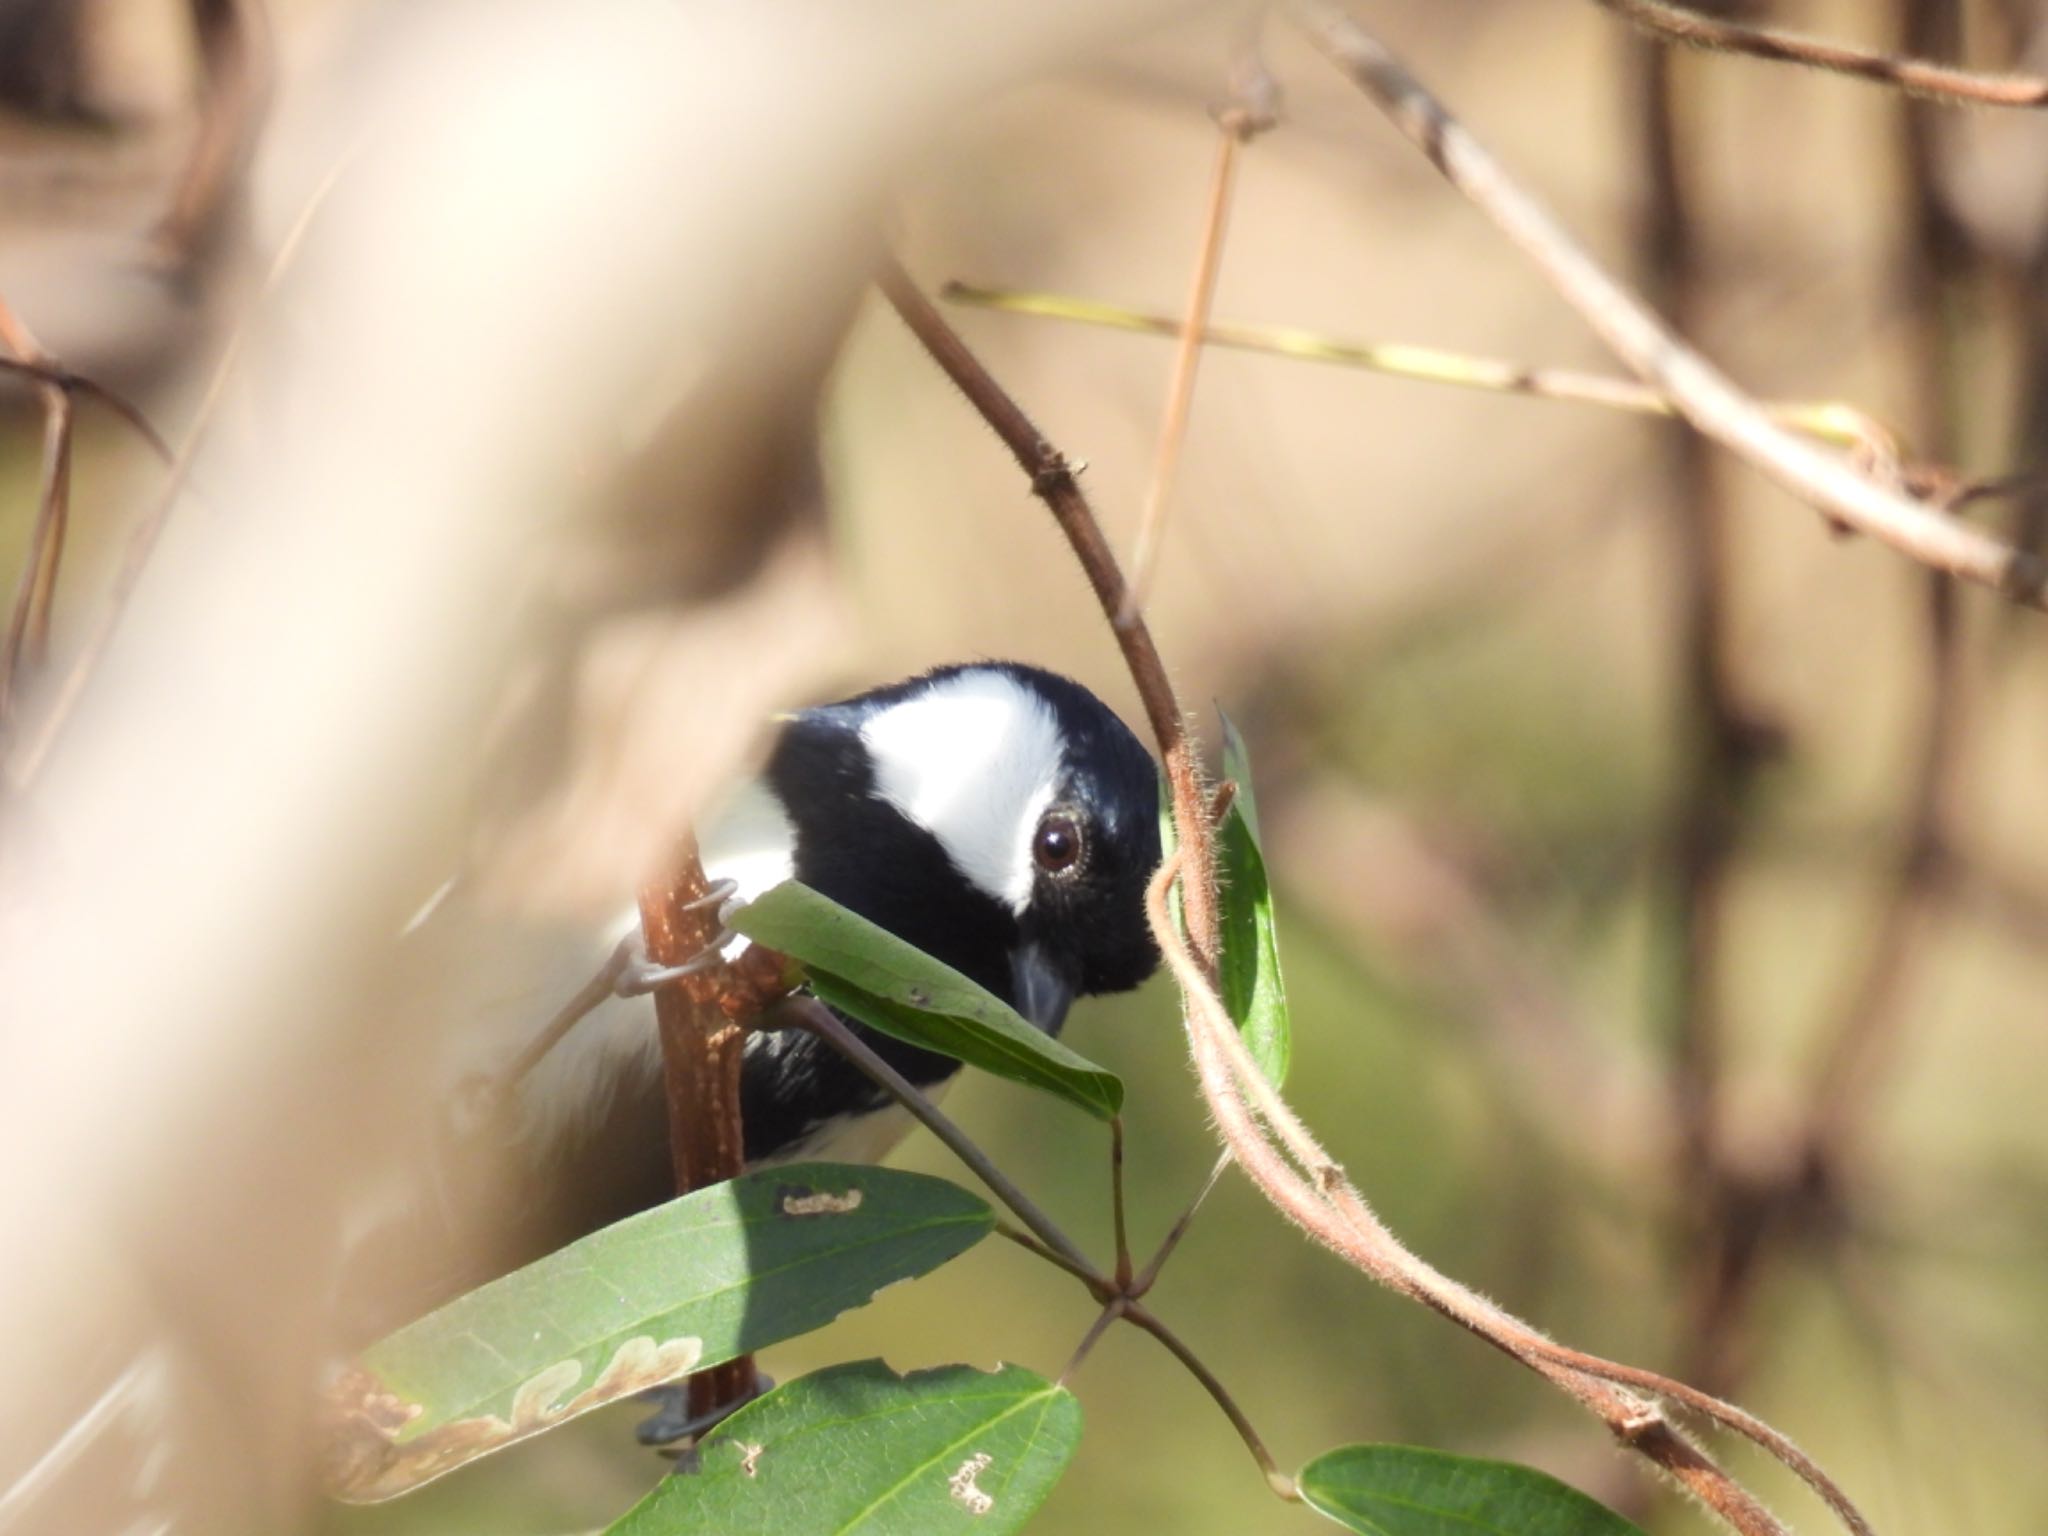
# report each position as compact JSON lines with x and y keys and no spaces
{"x":1663,"y":878}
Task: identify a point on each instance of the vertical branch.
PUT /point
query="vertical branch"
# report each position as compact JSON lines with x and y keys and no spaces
{"x":701,"y":1051}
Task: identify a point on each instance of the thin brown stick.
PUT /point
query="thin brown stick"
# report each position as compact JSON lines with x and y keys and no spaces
{"x":1053,"y":481}
{"x":701,"y":1053}
{"x":1651,"y":350}
{"x":1187,"y":356}
{"x":1923,"y":77}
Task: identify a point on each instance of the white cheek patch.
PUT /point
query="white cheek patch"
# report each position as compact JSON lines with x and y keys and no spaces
{"x":974,"y":760}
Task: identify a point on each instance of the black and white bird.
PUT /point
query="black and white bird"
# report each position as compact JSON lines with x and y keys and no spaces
{"x":998,"y":816}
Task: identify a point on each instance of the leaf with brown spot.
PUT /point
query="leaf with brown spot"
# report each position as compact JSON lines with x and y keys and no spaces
{"x":698,"y":1281}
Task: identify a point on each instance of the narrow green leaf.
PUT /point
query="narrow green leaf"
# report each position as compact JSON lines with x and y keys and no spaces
{"x":689,"y":1284}
{"x":1169,"y":840}
{"x":1403,"y":1490}
{"x":1252,"y":987}
{"x":1237,"y":765}
{"x":867,"y":972}
{"x":857,"y":1450}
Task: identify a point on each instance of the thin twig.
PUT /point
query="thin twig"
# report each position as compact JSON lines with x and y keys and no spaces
{"x":1187,"y":356}
{"x":1113,"y":1310}
{"x":807,"y":1013}
{"x":1651,"y":350}
{"x":1277,"y":1480}
{"x":1097,"y":1284}
{"x":1149,"y":1275}
{"x":1923,"y":77}
{"x":1827,"y":421}
{"x":1116,"y":1202}
{"x":1053,"y":481}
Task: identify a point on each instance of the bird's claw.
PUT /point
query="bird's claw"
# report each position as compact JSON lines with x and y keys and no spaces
{"x":635,"y":974}
{"x":672,"y":1420}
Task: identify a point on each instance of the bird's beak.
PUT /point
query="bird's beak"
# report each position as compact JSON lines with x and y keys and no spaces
{"x":1042,"y":991}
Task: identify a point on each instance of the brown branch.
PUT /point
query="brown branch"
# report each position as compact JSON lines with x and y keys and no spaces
{"x":1651,"y":350}
{"x":702,"y":1046}
{"x":1923,"y":77}
{"x":1053,"y":481}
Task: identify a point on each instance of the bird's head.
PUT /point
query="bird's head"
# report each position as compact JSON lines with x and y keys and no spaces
{"x":998,"y":816}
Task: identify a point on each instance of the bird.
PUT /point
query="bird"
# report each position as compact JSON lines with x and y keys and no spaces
{"x":996,"y":815}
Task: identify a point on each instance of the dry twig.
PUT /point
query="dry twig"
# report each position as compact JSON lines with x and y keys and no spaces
{"x":1923,"y":77}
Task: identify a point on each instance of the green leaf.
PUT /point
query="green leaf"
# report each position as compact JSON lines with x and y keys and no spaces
{"x":867,"y":972}
{"x":700,"y":1280}
{"x":857,"y":1450}
{"x":1402,"y":1490}
{"x":1169,"y":840}
{"x":1252,"y":987}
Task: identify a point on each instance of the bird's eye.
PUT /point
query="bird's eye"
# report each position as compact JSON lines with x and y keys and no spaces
{"x":1056,"y":846}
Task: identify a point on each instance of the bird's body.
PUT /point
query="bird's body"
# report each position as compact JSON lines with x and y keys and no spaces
{"x":997,"y":816}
